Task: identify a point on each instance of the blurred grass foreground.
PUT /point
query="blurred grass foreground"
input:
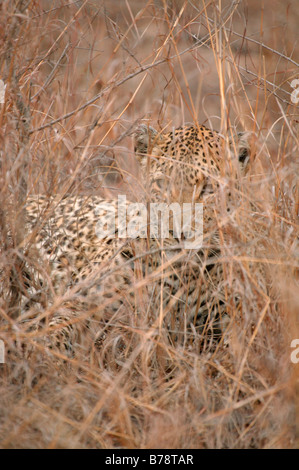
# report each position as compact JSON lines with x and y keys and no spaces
{"x":77,"y":78}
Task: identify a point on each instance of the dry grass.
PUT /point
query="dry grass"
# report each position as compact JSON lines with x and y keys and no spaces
{"x":79,"y":77}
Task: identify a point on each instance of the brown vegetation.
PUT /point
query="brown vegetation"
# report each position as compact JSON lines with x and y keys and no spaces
{"x":79,"y":78}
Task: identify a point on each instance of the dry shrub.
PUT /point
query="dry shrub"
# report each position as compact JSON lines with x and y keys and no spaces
{"x":79,"y":78}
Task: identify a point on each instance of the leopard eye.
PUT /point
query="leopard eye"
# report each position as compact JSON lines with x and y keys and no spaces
{"x":243,"y":156}
{"x":160,"y":182}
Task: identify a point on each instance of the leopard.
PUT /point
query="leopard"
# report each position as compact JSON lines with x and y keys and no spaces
{"x":185,"y":162}
{"x":183,"y":287}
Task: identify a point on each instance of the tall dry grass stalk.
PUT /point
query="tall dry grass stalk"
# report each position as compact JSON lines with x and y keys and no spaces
{"x":79,"y":78}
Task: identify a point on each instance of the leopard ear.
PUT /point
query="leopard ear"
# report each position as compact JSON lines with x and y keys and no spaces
{"x":145,"y":138}
{"x":245,"y":151}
